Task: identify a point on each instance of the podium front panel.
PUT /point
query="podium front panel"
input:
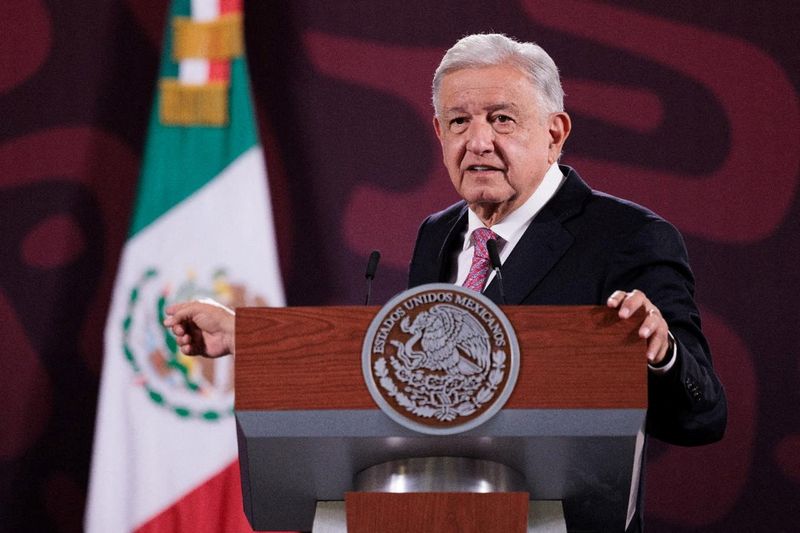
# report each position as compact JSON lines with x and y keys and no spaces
{"x":307,"y":424}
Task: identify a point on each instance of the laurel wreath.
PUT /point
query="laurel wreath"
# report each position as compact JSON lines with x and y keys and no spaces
{"x":155,"y":395}
{"x":444,"y":413}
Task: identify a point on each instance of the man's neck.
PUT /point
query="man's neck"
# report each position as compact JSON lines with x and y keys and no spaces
{"x":492,"y":213}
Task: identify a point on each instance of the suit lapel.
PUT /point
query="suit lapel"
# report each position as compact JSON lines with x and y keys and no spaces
{"x":540,"y":248}
{"x":451,"y":242}
{"x":543,"y":243}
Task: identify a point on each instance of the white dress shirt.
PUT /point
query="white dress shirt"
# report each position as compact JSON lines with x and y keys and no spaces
{"x":510,"y":229}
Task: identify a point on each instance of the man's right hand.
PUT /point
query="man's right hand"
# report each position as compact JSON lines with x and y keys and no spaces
{"x":202,"y":327}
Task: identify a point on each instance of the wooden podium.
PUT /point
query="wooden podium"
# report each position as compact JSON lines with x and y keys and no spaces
{"x":307,"y":425}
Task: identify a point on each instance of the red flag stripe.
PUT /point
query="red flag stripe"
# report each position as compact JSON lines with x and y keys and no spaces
{"x":213,"y":507}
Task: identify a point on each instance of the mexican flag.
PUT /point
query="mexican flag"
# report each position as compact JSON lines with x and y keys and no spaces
{"x":165,"y":455}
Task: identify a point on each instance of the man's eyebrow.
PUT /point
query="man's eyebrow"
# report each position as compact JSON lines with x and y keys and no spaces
{"x":457,"y":109}
{"x":500,"y":106}
{"x":489,"y":109}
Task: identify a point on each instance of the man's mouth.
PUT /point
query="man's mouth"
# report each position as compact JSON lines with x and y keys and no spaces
{"x":482,"y":168}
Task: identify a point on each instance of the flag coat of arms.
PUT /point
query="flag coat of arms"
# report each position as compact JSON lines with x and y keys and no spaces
{"x":165,"y":456}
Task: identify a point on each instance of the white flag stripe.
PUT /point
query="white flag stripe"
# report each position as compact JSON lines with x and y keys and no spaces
{"x":224,"y":224}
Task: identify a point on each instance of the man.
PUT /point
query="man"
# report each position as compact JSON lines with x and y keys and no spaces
{"x":501,"y":122}
{"x":500,"y":118}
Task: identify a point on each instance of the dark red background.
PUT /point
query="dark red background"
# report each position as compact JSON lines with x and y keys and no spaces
{"x":690,"y":108}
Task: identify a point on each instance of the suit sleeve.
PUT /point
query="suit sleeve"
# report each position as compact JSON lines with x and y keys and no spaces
{"x":687,"y":404}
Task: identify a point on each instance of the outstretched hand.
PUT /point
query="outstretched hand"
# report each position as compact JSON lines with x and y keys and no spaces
{"x":202,"y":327}
{"x":653,"y":328}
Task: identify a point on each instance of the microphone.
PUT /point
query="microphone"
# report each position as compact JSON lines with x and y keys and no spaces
{"x":494,"y":258}
{"x":372,"y":266}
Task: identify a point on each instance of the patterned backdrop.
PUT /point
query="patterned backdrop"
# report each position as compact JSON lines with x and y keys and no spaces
{"x":690,"y":108}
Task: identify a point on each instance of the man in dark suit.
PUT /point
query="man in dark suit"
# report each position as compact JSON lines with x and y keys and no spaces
{"x":500,"y":118}
{"x":501,"y":123}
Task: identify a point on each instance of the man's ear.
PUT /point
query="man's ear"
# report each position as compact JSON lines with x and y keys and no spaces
{"x":559,"y":127}
{"x":437,"y":127}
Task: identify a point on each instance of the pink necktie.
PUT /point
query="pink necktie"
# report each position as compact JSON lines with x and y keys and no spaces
{"x":479,"y":270}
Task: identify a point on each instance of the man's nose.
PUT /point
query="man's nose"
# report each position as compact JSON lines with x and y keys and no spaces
{"x":480,"y":139}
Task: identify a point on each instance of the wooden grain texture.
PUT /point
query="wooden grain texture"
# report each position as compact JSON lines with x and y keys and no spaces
{"x":436,"y":512}
{"x":299,"y":358}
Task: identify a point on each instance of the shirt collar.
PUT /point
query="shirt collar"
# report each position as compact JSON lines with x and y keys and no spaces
{"x":511,"y":227}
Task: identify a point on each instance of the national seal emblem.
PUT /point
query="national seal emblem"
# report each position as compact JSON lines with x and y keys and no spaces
{"x":440,"y":359}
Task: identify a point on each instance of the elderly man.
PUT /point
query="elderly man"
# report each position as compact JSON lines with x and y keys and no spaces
{"x":499,"y":116}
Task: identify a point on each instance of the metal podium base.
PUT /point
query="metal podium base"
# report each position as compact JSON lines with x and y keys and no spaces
{"x":439,"y":474}
{"x":442,"y":474}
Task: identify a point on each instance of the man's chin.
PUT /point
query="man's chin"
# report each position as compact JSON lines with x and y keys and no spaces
{"x":487,"y":198}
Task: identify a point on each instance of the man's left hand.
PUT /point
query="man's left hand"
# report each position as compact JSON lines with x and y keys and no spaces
{"x":654,"y":328}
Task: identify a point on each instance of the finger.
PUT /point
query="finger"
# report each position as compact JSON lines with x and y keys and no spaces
{"x":632,"y":302}
{"x":655,"y":329}
{"x":180,"y":311}
{"x":171,"y":309}
{"x":188,"y":345}
{"x":657,"y":346}
{"x":652,"y":321}
{"x":181,"y":319}
{"x":615,"y":299}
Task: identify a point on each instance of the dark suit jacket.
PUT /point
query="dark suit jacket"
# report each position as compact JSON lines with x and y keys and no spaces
{"x":581,"y":247}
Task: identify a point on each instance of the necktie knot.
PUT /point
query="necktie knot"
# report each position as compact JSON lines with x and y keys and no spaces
{"x":479,"y":270}
{"x":479,"y":239}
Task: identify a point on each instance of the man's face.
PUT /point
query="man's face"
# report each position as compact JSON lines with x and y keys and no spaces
{"x":497,"y":144}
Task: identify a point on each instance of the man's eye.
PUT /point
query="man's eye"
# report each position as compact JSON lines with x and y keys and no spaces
{"x":503,"y":123}
{"x":458,"y":124}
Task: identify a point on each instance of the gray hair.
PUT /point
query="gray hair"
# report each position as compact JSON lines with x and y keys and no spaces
{"x":490,"y":49}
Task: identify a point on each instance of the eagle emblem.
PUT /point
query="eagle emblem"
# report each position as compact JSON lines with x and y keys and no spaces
{"x":450,"y":340}
{"x":440,"y":359}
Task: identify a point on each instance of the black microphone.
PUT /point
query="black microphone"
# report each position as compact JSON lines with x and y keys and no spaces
{"x":372,"y":266}
{"x":494,"y":257}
